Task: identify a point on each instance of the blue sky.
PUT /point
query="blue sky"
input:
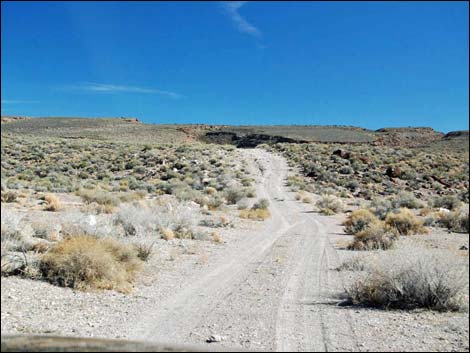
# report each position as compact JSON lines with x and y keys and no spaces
{"x":347,"y":63}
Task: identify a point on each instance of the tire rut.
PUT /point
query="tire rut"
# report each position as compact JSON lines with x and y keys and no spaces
{"x":259,"y":300}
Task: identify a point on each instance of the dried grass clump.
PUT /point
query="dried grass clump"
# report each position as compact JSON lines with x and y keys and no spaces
{"x":380,"y":207}
{"x":358,"y":220}
{"x":329,"y":205}
{"x":375,"y":236}
{"x":52,"y":203}
{"x":100,"y":197}
{"x":259,"y":211}
{"x":210,"y":190}
{"x":85,"y":262}
{"x":307,"y":199}
{"x":258,"y":214}
{"x":405,"y":222}
{"x":167,"y":234}
{"x":144,"y":251}
{"x":411,"y":279}
{"x":216,"y":238}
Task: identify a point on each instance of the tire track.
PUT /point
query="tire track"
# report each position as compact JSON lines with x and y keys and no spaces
{"x":261,"y":302}
{"x":181,"y":313}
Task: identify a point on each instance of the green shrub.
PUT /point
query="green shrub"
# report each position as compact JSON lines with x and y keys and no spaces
{"x":410,"y":281}
{"x":329,"y":204}
{"x":233,"y":195}
{"x":262,"y":204}
{"x":448,"y":202}
{"x":456,"y":221}
{"x":406,"y":200}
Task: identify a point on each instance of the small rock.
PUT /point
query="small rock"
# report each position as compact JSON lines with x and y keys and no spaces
{"x":463,"y":247}
{"x":215,"y":338}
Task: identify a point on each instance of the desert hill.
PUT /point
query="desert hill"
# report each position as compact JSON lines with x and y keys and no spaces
{"x":131,"y":130}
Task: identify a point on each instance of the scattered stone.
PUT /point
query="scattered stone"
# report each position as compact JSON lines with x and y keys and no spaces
{"x":215,"y":338}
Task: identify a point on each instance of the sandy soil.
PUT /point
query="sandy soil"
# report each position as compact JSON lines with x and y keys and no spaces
{"x":272,"y":285}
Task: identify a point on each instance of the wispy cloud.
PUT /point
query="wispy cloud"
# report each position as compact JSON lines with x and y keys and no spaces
{"x":112,"y":88}
{"x":232,"y":10}
{"x":17,"y":101}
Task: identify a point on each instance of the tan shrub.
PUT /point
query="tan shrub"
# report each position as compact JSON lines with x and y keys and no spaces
{"x":307,"y":199}
{"x":405,"y":222}
{"x":216,"y":238}
{"x":358,"y":220}
{"x":108,"y":209}
{"x":123,"y":185}
{"x":426,"y":211}
{"x":210,"y":190}
{"x":52,"y":203}
{"x":224,"y":221}
{"x":85,"y":262}
{"x":131,"y":196}
{"x":41,"y":246}
{"x":376,"y":235}
{"x":167,"y":234}
{"x":99,"y":196}
{"x":255,"y":214}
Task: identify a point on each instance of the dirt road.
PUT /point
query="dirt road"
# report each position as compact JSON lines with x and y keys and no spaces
{"x":271,"y":286}
{"x":270,"y":291}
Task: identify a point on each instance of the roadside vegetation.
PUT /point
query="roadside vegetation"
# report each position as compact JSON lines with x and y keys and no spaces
{"x":409,"y":278}
{"x":392,"y":197}
{"x":368,"y":171}
{"x":86,"y":214}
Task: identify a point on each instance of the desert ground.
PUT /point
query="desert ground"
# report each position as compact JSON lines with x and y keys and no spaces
{"x":301,"y":242}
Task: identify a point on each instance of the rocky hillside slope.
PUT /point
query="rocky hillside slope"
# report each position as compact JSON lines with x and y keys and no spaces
{"x":131,"y":130}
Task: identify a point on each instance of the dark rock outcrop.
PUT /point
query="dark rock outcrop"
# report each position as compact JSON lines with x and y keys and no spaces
{"x":454,"y":134}
{"x":394,"y":172}
{"x":342,"y":154}
{"x":245,"y":141}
